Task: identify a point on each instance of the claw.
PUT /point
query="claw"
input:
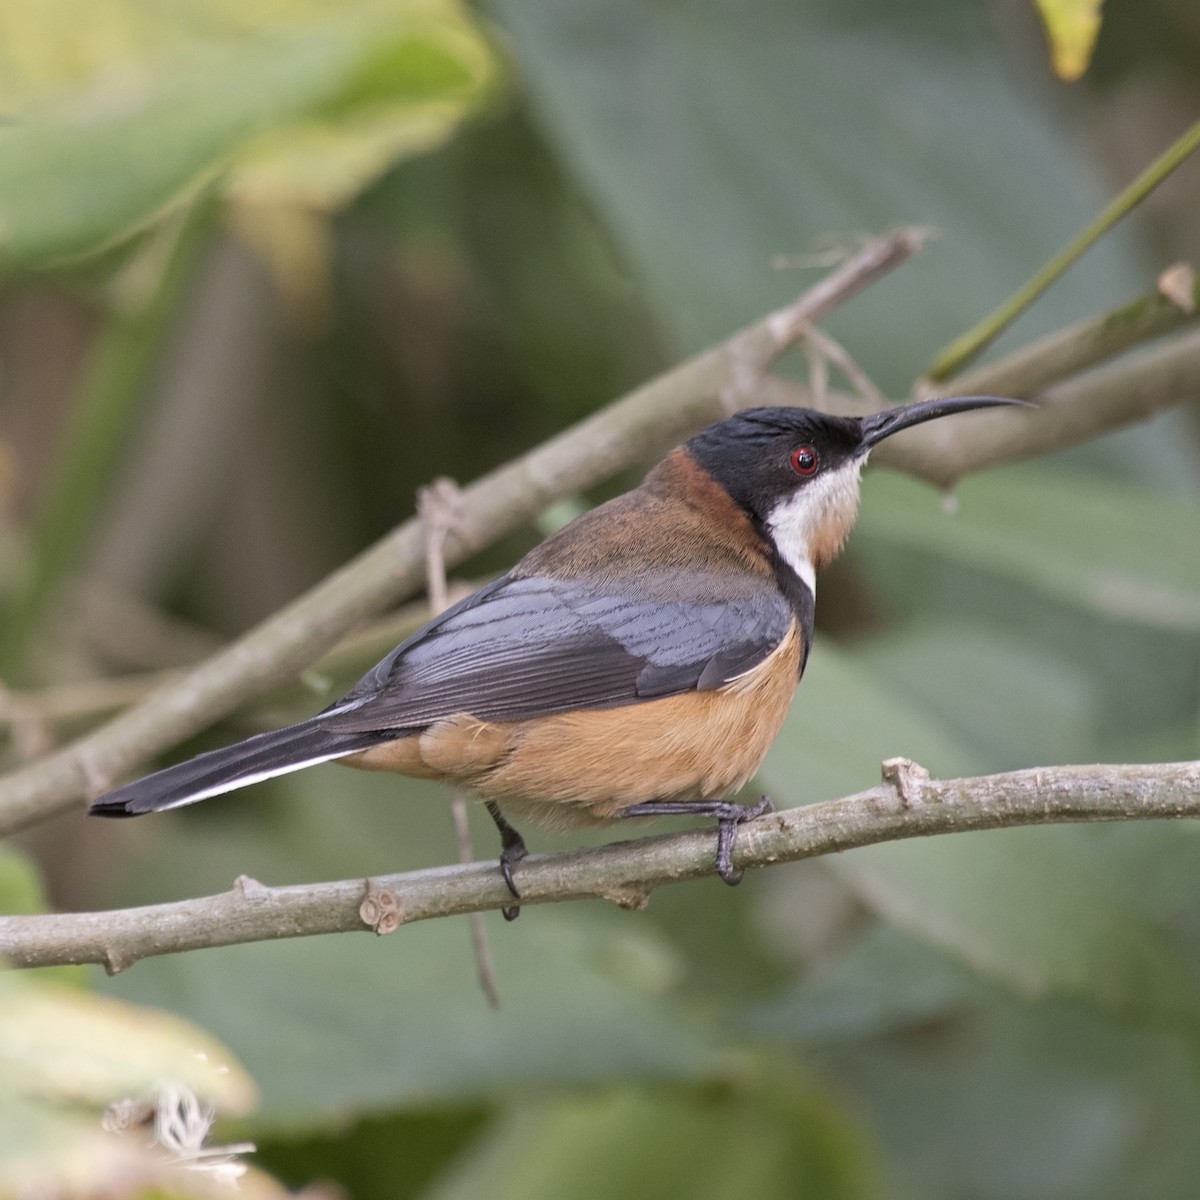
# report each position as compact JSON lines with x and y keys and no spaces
{"x":512,"y":850}
{"x":509,"y":857}
{"x":727,"y":824}
{"x":728,"y":813}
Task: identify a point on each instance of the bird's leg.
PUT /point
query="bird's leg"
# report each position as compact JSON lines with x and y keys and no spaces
{"x":729,"y":815}
{"x":512,"y":850}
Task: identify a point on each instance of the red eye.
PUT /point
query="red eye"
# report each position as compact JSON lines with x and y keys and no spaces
{"x":804,"y":460}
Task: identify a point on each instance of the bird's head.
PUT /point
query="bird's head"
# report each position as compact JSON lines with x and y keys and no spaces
{"x":795,"y":471}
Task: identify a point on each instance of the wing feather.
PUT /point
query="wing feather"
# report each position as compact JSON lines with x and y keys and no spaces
{"x":531,"y":646}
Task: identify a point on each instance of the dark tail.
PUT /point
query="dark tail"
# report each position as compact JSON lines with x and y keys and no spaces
{"x":257,"y":758}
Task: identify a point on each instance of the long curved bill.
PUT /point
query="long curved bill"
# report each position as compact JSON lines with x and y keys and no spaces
{"x":883,"y":424}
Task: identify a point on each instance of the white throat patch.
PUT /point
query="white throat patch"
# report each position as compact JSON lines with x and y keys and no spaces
{"x":809,"y":525}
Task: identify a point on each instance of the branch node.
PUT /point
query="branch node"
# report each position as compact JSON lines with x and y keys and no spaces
{"x":907,"y":777}
{"x":114,"y":962}
{"x":250,"y":889}
{"x":630,"y":898}
{"x":381,"y":910}
{"x":822,"y":349}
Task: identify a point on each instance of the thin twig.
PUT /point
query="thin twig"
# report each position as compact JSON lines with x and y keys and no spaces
{"x":909,"y":804}
{"x":824,"y":348}
{"x":485,"y":967}
{"x":1132,"y":389}
{"x":440,"y":507}
{"x":645,"y":421}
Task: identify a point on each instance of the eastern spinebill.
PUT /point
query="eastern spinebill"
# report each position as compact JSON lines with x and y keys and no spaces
{"x":638,"y":662}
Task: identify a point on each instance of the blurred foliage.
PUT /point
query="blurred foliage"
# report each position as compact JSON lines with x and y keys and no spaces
{"x":1072,"y":27}
{"x":781,"y":1137}
{"x":121,"y":112}
{"x":119,"y":109}
{"x":65,"y":1055}
{"x":394,"y":266}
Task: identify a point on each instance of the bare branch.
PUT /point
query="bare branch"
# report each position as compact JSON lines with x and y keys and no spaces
{"x":908,"y":804}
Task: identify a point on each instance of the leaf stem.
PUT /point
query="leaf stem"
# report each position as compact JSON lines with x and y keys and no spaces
{"x":966,"y":346}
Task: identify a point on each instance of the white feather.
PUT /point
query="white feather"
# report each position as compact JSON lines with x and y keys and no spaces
{"x":232,"y":785}
{"x":795,"y":519}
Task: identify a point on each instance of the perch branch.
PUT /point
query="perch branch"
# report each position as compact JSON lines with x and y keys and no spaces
{"x":908,"y":804}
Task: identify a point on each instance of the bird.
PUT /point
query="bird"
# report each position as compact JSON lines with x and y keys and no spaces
{"x":638,"y":662}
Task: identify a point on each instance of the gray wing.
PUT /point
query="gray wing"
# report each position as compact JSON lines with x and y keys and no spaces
{"x":532,"y":646}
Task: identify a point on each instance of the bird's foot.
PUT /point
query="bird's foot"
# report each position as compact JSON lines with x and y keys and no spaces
{"x":727,"y":824}
{"x":511,"y":854}
{"x":512,"y":850}
{"x":728,"y":813}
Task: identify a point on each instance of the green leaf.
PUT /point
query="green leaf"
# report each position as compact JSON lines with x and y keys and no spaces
{"x":1072,"y":27}
{"x":841,"y":726}
{"x":46,"y":1151}
{"x":884,"y":982}
{"x":1120,"y":551}
{"x":715,"y":137}
{"x":69,"y":1045}
{"x":1047,"y":620}
{"x":1027,"y":909}
{"x":304,"y":108}
{"x":20,"y":883}
{"x":401,"y":1022}
{"x":786,"y":1139}
{"x":1036,"y":706}
{"x":390,"y":1157}
{"x":1095,"y":1110}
